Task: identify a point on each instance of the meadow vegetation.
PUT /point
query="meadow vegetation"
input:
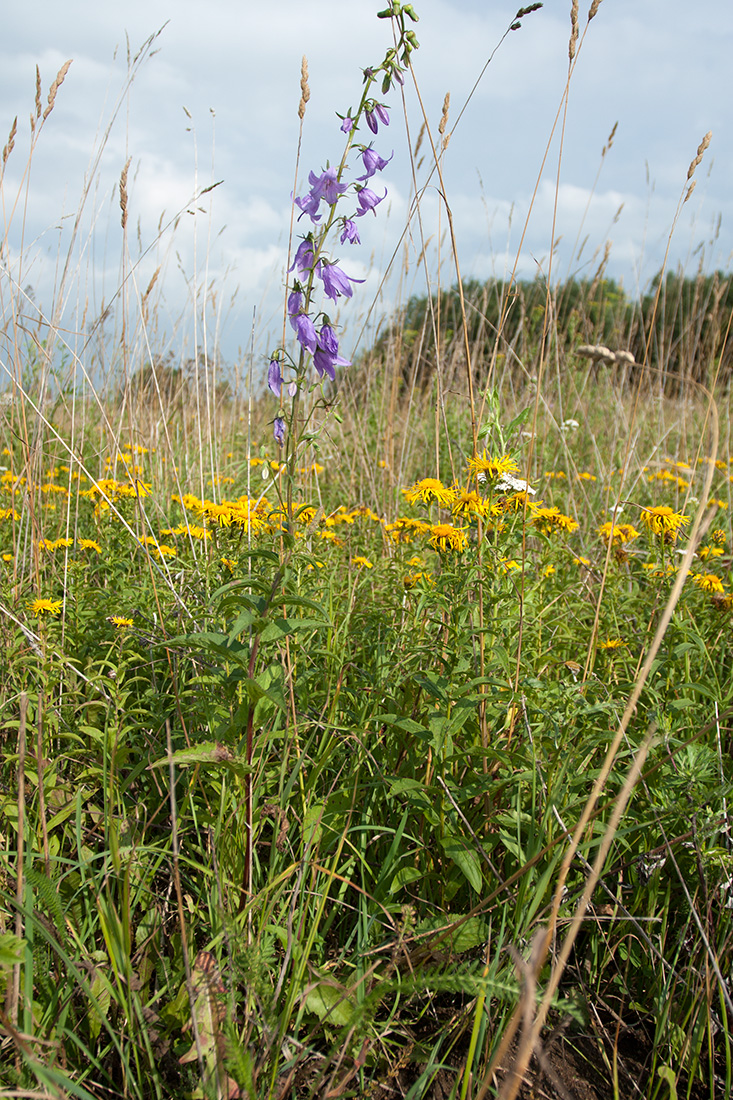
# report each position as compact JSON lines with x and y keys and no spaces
{"x":390,"y":755}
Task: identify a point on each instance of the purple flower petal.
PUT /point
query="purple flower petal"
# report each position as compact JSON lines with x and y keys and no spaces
{"x":350,"y":233}
{"x":373,"y":163}
{"x":326,"y":186}
{"x":367,"y":200}
{"x":274,"y":377}
{"x":336,"y":282}
{"x":278,"y":430}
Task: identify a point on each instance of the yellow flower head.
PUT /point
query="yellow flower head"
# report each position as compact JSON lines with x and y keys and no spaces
{"x":550,"y":520}
{"x":611,"y":643}
{"x":119,"y":621}
{"x":358,"y":560}
{"x":663,"y":521}
{"x":45,"y":607}
{"x":444,"y":536}
{"x":429,"y":489}
{"x":617,"y":532}
{"x":470,"y":503}
{"x":491,"y":469}
{"x":412,"y":579}
{"x":708,"y":582}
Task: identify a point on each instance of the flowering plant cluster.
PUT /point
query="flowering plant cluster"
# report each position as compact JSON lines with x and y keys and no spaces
{"x":314,"y":330}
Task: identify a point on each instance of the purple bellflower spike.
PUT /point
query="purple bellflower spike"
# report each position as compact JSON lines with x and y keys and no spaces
{"x":336,"y":282}
{"x":278,"y":430}
{"x":305,"y":331}
{"x":301,"y":323}
{"x":326,"y":186}
{"x":373,"y":163}
{"x":275,"y":377}
{"x":327,"y":358}
{"x":375,"y":116}
{"x":304,"y":258}
{"x":295,"y":302}
{"x":309,"y":205}
{"x":350,"y":233}
{"x":367,"y":200}
{"x":328,"y":341}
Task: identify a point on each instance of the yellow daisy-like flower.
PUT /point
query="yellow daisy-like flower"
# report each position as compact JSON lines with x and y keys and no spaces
{"x":45,"y":607}
{"x":612,"y":643}
{"x":415,"y":578}
{"x":89,"y":544}
{"x":618,"y":532}
{"x":469,"y":503}
{"x":548,"y":571}
{"x":664,"y":521}
{"x":581,"y":561}
{"x":119,"y":621}
{"x":708,"y":582}
{"x":491,"y":469}
{"x":444,"y":536}
{"x":359,"y":560}
{"x":63,"y":543}
{"x":722,"y":603}
{"x":719,"y":537}
{"x":515,"y":502}
{"x":404,"y":528}
{"x":710,"y":552}
{"x":229,"y":564}
{"x":429,"y":489}
{"x":550,"y":520}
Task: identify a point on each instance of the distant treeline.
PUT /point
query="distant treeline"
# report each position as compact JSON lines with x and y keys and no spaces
{"x":684,"y":324}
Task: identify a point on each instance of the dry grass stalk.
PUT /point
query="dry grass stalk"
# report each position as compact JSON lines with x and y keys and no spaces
{"x":7,"y":149}
{"x":594,"y":9}
{"x":305,"y":92}
{"x":444,"y":122}
{"x":39,"y":105}
{"x":444,"y":116}
{"x":609,"y":143}
{"x":700,"y":154}
{"x":572,"y":45}
{"x":60,"y":77}
{"x":418,"y":143}
{"x":123,"y":192}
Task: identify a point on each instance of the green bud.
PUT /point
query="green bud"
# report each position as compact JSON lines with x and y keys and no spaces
{"x":410,"y":11}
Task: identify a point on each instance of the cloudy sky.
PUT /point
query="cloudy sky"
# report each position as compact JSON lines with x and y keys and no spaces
{"x":214,"y":98}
